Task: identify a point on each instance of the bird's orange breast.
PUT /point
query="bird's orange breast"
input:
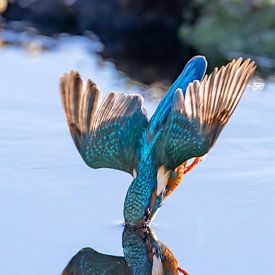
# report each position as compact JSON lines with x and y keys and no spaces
{"x":175,"y":181}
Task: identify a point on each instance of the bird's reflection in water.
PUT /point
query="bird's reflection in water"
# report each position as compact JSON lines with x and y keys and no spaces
{"x":143,"y":254}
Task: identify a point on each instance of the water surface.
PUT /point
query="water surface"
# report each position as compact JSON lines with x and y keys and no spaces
{"x":221,"y":220}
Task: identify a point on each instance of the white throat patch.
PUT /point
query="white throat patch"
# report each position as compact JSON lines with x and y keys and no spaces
{"x":157,"y":268}
{"x":162,"y":179}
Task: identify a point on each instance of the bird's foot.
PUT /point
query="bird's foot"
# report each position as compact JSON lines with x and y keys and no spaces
{"x":181,"y":270}
{"x":196,"y":161}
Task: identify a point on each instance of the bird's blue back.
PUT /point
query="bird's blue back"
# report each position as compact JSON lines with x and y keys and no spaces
{"x":194,"y":70}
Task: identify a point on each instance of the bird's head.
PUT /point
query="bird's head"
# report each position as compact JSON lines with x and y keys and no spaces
{"x":144,"y":197}
{"x":141,"y":202}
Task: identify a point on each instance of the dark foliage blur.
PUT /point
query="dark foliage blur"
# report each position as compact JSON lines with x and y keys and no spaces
{"x":226,"y":29}
{"x":151,"y":40}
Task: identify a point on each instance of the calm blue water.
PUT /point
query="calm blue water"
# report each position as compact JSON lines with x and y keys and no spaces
{"x":221,"y":220}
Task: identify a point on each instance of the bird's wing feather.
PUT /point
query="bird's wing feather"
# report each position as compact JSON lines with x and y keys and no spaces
{"x":197,"y":118}
{"x":107,"y":134}
{"x":90,"y":262}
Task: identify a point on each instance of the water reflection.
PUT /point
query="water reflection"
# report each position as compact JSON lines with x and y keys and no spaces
{"x":143,"y":254}
{"x":43,"y":183}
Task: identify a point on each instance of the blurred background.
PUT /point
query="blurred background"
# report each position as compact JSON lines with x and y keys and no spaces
{"x":221,"y":220}
{"x":151,"y":40}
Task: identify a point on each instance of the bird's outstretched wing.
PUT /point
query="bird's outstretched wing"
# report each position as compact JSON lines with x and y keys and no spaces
{"x":197,"y":118}
{"x":90,"y":262}
{"x":107,"y":134}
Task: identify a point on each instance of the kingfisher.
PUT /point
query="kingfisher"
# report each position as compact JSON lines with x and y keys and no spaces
{"x":143,"y":254}
{"x":116,"y":132}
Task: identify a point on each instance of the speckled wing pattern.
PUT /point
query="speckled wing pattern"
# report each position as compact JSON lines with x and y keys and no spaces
{"x":90,"y":262}
{"x":106,"y":133}
{"x":197,"y":118}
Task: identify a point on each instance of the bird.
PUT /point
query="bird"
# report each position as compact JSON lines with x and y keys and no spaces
{"x":143,"y":254}
{"x":115,"y":132}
